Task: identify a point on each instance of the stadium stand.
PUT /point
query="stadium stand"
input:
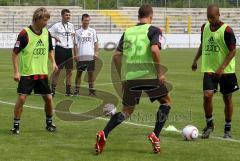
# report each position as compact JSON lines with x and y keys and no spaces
{"x":14,"y":18}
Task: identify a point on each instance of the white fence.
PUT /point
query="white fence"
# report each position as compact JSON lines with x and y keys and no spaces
{"x":110,"y":41}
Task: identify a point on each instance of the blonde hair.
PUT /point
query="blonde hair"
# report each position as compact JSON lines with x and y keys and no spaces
{"x":40,"y":13}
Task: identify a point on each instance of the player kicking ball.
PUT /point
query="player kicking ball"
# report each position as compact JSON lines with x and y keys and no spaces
{"x":138,"y":60}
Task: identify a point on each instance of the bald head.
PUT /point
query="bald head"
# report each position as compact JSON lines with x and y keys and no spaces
{"x":212,"y":8}
{"x":213,"y":14}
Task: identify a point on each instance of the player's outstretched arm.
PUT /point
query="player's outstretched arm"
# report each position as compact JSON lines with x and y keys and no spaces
{"x":16,"y":74}
{"x":197,"y":56}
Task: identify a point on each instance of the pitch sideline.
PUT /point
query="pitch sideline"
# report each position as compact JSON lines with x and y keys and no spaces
{"x":126,"y":122}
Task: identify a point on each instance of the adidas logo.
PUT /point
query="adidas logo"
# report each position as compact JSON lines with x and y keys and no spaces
{"x":211,"y":39}
{"x":40,"y":43}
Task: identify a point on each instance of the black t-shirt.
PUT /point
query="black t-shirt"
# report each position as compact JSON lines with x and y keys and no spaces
{"x":154,"y":35}
{"x":22,"y":41}
{"x":229,"y":37}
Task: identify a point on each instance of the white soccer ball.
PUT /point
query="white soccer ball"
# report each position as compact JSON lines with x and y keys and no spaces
{"x":190,"y":132}
{"x":109,"y":109}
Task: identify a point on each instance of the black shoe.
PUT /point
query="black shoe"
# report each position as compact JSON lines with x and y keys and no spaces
{"x":15,"y":131}
{"x":51,"y":128}
{"x":227,"y":135}
{"x":68,"y":94}
{"x":207,"y":131}
{"x":92,"y":92}
{"x":53,"y":92}
{"x":76,"y":93}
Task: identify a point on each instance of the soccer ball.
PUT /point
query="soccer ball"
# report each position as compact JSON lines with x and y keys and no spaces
{"x":190,"y":132}
{"x":109,"y":109}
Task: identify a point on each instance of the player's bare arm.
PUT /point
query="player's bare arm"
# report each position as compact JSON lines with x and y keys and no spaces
{"x":75,"y":49}
{"x":156,"y":58}
{"x":227,"y":60}
{"x":96,"y":50}
{"x":197,"y":56}
{"x":73,"y":35}
{"x":117,"y":58}
{"x":52,"y":59}
{"x":56,"y":38}
{"x":16,"y":74}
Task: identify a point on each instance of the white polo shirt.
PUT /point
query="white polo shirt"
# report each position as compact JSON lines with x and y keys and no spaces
{"x":85,"y":39}
{"x":65,"y":32}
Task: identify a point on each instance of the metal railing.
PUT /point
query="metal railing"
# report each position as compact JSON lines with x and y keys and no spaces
{"x":180,"y":24}
{"x":14,"y":24}
{"x":114,"y":4}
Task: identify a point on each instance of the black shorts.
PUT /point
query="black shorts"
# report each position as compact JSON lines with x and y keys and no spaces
{"x":63,"y":57}
{"x":86,"y":65}
{"x":132,"y":90}
{"x":29,"y":83}
{"x":227,"y":82}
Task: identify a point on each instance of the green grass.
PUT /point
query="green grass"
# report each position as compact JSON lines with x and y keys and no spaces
{"x":74,"y":140}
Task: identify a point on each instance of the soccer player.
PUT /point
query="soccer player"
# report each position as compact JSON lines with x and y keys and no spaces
{"x":34,"y":47}
{"x":218,"y":49}
{"x":85,"y":53}
{"x":63,"y":33}
{"x":137,"y":60}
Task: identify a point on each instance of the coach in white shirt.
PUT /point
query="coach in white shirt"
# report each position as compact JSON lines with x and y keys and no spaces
{"x":85,"y":52}
{"x":63,"y":32}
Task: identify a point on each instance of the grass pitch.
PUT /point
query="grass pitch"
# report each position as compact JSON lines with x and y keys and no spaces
{"x":74,"y":140}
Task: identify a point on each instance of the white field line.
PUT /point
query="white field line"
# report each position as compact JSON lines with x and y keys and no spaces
{"x":126,"y":122}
